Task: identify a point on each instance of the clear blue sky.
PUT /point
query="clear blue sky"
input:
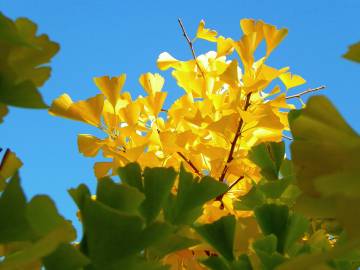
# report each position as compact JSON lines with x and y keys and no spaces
{"x":112,"y":37}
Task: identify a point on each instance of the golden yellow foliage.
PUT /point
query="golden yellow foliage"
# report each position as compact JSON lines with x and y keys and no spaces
{"x":227,"y":107}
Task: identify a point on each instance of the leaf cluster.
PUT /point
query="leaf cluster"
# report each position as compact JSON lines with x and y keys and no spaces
{"x":23,"y":64}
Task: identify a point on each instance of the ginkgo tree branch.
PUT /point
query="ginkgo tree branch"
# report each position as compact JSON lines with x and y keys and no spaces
{"x":190,"y":45}
{"x":236,"y":137}
{"x":190,"y":163}
{"x":298,"y":95}
{"x":219,"y":198}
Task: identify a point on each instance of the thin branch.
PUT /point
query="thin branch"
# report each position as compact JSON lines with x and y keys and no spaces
{"x":189,"y":162}
{"x":233,"y":144}
{"x":306,"y":92}
{"x":219,"y":198}
{"x":287,"y":137}
{"x":235,"y":182}
{"x":190,"y":45}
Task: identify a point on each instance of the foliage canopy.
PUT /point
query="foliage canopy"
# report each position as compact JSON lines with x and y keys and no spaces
{"x":204,"y":184}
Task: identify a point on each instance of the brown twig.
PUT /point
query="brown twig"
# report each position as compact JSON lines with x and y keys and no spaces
{"x":190,"y":45}
{"x":306,"y":92}
{"x":219,"y":198}
{"x":189,"y":162}
{"x":233,"y":144}
{"x":235,"y":182}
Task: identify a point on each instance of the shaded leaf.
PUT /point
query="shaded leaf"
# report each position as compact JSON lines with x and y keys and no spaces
{"x":268,"y":156}
{"x":272,"y":219}
{"x":67,"y":257}
{"x":10,"y":163}
{"x":44,"y":217}
{"x":157,"y":185}
{"x":3,"y":112}
{"x":24,"y":56}
{"x":353,"y":53}
{"x":110,"y":234}
{"x":119,"y":196}
{"x":44,"y":246}
{"x":242,"y":263}
{"x":192,"y":194}
{"x":215,"y":263}
{"x":274,"y":189}
{"x":220,"y":235}
{"x":14,"y":225}
{"x":131,"y":175}
{"x":79,"y":195}
{"x":265,"y":248}
{"x":296,"y":227}
{"x":171,"y":244}
{"x":251,"y":200}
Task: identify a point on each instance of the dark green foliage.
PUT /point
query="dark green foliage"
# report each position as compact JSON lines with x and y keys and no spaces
{"x":220,"y":235}
{"x":157,"y":185}
{"x":14,"y":225}
{"x":192,"y":193}
{"x":33,"y":229}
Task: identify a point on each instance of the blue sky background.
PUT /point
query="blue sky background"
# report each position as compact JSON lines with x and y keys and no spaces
{"x":112,"y":37}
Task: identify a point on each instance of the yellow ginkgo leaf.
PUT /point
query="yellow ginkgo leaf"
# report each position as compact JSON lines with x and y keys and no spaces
{"x":291,"y":80}
{"x":88,"y":111}
{"x":268,"y":119}
{"x":273,"y":37}
{"x":111,"y":87}
{"x":132,"y":154}
{"x":280,"y":102}
{"x":225,"y":46}
{"x":110,"y":119}
{"x":268,"y":73}
{"x":213,"y":152}
{"x":152,"y":83}
{"x":224,"y":124}
{"x":204,"y":33}
{"x":231,"y":75}
{"x":155,"y":103}
{"x":250,"y":26}
{"x":102,"y":169}
{"x":267,"y":135}
{"x":246,"y":47}
{"x":89,"y":145}
{"x":130,"y":114}
{"x":154,"y":137}
{"x":149,"y":159}
{"x":166,"y":61}
{"x":190,"y":82}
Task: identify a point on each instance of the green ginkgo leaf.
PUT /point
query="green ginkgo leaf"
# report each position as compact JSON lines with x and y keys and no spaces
{"x":192,"y":193}
{"x":353,"y":53}
{"x":24,"y":58}
{"x":220,"y":235}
